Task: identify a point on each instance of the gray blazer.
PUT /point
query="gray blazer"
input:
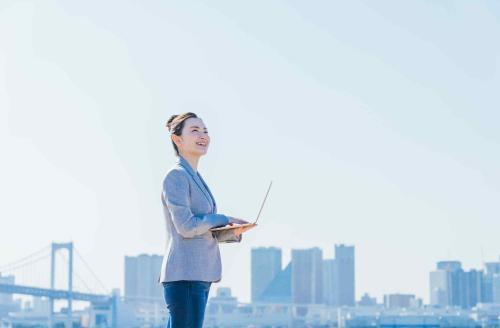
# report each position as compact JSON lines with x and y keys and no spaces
{"x":192,"y":251}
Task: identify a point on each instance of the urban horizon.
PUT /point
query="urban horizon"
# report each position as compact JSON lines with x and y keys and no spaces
{"x":300,"y":286}
{"x":358,"y":294}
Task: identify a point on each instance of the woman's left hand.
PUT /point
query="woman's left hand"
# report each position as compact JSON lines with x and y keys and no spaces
{"x":236,"y":220}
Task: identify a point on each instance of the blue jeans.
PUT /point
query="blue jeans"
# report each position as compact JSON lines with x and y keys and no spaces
{"x":186,"y":301}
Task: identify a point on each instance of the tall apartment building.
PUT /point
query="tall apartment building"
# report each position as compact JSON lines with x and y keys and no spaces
{"x":141,"y":276}
{"x":265,"y":267}
{"x":307,"y":276}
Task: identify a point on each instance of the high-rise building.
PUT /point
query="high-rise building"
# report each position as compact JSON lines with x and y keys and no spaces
{"x":496,"y":288}
{"x":307,"y":276}
{"x":7,"y":280}
{"x":141,"y":274}
{"x":491,"y":268}
{"x":439,"y":289}
{"x":329,"y":282}
{"x":455,"y":281}
{"x":451,"y":285}
{"x":473,"y":288}
{"x":7,"y":302}
{"x":449,"y":265}
{"x":266,"y":265}
{"x":344,"y":275}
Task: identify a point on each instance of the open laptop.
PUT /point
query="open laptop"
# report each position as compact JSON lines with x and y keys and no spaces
{"x":236,"y":225}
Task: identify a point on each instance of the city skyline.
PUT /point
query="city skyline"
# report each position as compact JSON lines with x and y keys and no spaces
{"x":376,"y":121}
{"x":141,"y":272}
{"x":437,"y":278}
{"x":296,"y":292}
{"x":267,"y":264}
{"x":268,"y":273}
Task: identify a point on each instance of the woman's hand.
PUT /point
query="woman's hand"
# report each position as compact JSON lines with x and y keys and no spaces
{"x":240,"y":230}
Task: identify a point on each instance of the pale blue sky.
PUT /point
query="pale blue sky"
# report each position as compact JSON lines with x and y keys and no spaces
{"x":379,"y":124}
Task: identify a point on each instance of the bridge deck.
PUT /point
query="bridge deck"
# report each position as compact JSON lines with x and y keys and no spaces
{"x":53,"y":293}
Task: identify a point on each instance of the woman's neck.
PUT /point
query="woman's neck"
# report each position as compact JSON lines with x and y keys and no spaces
{"x":192,"y":160}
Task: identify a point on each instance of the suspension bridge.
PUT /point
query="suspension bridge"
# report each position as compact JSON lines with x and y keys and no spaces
{"x":64,"y":282}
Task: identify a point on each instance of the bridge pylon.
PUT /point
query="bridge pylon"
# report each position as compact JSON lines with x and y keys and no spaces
{"x":54,"y":249}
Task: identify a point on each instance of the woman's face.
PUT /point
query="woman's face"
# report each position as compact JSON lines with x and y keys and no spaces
{"x":194,"y":139}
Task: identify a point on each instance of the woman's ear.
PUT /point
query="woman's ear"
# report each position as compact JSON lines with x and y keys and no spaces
{"x":176,"y":139}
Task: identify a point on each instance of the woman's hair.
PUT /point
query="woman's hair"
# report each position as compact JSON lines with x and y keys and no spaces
{"x":175,"y":124}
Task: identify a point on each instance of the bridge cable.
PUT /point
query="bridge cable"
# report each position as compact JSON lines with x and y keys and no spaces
{"x":105,"y":289}
{"x":3,"y":267}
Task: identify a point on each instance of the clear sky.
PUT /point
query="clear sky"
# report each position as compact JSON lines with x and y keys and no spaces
{"x":379,"y":124}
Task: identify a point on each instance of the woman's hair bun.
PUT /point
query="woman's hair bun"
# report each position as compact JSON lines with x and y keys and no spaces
{"x":170,"y":120}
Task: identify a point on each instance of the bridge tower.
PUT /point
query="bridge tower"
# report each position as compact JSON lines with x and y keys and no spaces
{"x":56,"y":247}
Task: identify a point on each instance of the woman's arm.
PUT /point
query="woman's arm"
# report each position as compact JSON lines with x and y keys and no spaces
{"x":176,"y":195}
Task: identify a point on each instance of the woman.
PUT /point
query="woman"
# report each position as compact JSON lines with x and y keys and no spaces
{"x":192,"y":260}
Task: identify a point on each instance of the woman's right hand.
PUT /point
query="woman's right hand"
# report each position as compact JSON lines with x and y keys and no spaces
{"x":238,"y":231}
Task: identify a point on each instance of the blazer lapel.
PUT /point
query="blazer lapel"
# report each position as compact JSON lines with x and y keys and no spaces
{"x":182,"y":161}
{"x":210,"y":193}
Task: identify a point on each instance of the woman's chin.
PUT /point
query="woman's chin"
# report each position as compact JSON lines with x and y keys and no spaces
{"x":200,"y":152}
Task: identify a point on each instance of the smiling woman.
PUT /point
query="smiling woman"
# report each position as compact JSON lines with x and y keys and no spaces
{"x":195,"y":133}
{"x":192,"y":260}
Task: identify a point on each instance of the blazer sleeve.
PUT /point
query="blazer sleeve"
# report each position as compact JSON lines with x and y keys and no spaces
{"x":177,"y":198}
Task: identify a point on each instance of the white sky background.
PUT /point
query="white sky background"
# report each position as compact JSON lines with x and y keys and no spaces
{"x":379,"y":124}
